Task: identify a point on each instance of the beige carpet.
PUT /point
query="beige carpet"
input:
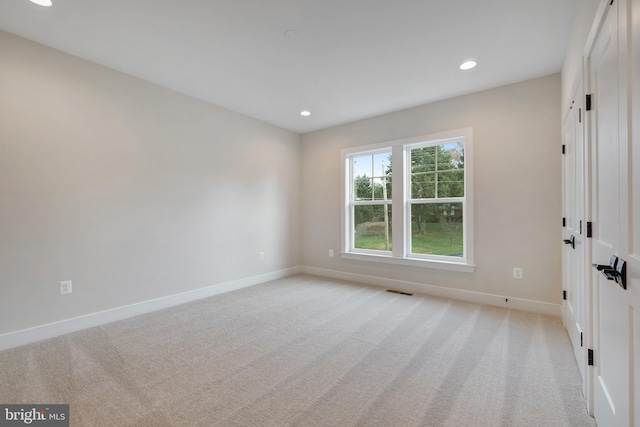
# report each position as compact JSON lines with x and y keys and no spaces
{"x":308,"y":351}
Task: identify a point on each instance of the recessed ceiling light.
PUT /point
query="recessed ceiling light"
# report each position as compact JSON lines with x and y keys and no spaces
{"x":468,"y":65}
{"x":46,"y":3}
{"x":305,"y":113}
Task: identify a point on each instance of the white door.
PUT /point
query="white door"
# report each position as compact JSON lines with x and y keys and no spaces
{"x":631,"y":209}
{"x":574,"y":230}
{"x":630,"y":218}
{"x":615,"y":315}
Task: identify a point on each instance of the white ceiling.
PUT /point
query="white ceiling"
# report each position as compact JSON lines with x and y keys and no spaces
{"x":349,"y":59}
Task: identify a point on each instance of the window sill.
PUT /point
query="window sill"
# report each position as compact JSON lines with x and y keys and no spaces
{"x":412,"y":262}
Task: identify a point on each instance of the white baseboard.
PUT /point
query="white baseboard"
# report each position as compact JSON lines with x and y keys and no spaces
{"x":42,"y":332}
{"x":459,"y":294}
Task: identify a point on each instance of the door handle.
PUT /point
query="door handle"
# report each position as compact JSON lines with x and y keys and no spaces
{"x":571,"y":241}
{"x":612,"y":264}
{"x":616,"y":271}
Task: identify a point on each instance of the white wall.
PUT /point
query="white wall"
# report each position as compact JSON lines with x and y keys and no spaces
{"x":130,"y":190}
{"x":517,"y":140}
{"x":136,"y":192}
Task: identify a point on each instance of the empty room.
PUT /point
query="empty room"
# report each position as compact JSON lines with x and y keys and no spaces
{"x":320,"y":213}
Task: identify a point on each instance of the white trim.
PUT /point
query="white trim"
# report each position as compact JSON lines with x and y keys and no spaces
{"x":399,"y":187}
{"x":380,"y":256}
{"x":539,"y":307}
{"x":598,"y":21}
{"x":42,"y":332}
{"x":433,"y":137}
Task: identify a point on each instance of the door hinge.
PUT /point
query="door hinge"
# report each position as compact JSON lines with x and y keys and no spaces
{"x":579,"y":115}
{"x":564,"y":150}
{"x":564,"y":222}
{"x":589,"y":229}
{"x":580,"y":227}
{"x":581,"y":345}
{"x":590,"y":357}
{"x":588,"y":103}
{"x":564,"y":295}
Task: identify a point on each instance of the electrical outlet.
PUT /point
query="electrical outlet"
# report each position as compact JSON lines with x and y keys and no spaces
{"x":517,"y":273}
{"x":65,"y":287}
{"x":261,"y":256}
{"x":331,"y":252}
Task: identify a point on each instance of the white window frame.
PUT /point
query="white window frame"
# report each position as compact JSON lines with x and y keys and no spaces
{"x":401,"y":203}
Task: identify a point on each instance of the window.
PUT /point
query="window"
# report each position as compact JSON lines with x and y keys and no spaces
{"x":410,"y":201}
{"x":371,"y":200}
{"x":436,"y":197}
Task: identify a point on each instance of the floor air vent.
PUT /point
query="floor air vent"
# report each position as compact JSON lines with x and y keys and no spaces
{"x":395,"y":291}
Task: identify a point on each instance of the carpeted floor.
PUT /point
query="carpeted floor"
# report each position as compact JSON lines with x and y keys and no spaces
{"x":308,"y":351}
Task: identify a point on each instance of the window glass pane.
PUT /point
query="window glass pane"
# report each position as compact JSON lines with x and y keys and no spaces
{"x":363,"y":188}
{"x":372,"y":227}
{"x":371,"y":174}
{"x":451,"y":183}
{"x":362,"y":165}
{"x":423,"y":186}
{"x":423,"y":172}
{"x":437,"y":171}
{"x":451,"y":156}
{"x":423,"y":160}
{"x":382,"y":164}
{"x":382,"y":188}
{"x":437,"y":229}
